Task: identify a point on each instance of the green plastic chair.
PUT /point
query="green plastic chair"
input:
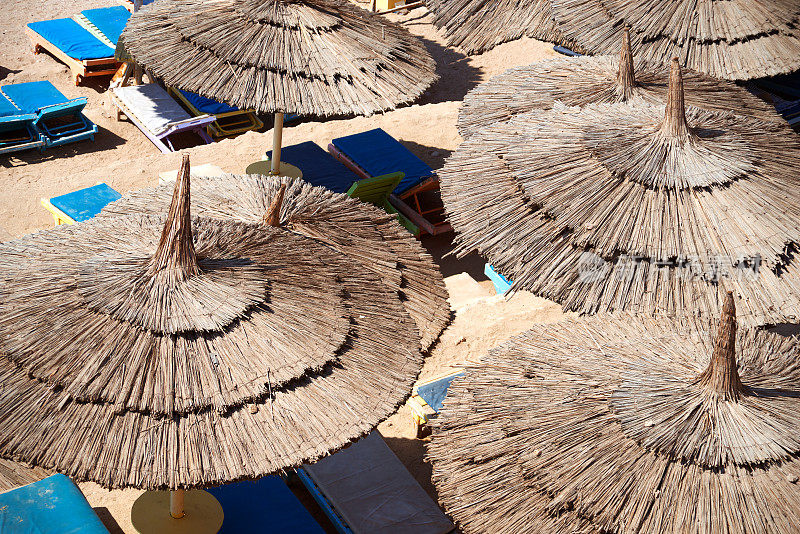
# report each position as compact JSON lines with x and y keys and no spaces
{"x":376,"y":190}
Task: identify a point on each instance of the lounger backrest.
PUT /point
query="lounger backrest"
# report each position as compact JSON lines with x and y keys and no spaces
{"x":376,"y":190}
{"x":109,"y":20}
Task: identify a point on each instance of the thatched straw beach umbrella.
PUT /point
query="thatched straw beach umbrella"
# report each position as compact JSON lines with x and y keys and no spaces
{"x":139,"y":352}
{"x":310,"y":57}
{"x":625,"y":424}
{"x":366,"y":234}
{"x":476,"y":26}
{"x":579,"y":81}
{"x":635,"y":207}
{"x":732,"y":40}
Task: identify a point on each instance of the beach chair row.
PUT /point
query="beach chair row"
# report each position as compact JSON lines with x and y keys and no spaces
{"x":37,"y":115}
{"x":86,"y":44}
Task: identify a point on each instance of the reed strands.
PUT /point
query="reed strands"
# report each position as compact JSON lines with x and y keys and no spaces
{"x":476,"y":26}
{"x":599,"y":425}
{"x":586,"y":80}
{"x":311,"y":57}
{"x":15,"y":474}
{"x":100,"y":396}
{"x":601,"y":209}
{"x":361,"y":231}
{"x":727,"y":39}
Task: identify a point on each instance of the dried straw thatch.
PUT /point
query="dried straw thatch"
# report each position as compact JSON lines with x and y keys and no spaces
{"x":360,"y":231}
{"x":586,"y":80}
{"x":14,"y":474}
{"x":635,"y":207}
{"x":216,"y":351}
{"x":312,"y":57}
{"x":476,"y":26}
{"x":728,"y":39}
{"x":625,"y":424}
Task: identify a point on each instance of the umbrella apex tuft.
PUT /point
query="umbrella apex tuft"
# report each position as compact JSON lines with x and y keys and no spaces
{"x":175,"y":252}
{"x":626,"y":78}
{"x":675,"y":124}
{"x":273,"y":215}
{"x":722,"y":376}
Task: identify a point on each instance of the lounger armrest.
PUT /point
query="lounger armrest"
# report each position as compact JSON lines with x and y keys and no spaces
{"x":186,"y":124}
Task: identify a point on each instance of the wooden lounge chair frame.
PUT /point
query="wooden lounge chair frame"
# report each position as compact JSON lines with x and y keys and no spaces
{"x":162,"y":141}
{"x":414,"y":213}
{"x":227,"y":124}
{"x":377,"y":190}
{"x":80,"y":68}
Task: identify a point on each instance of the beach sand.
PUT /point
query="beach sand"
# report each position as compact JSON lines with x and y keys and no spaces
{"x":125,"y":159}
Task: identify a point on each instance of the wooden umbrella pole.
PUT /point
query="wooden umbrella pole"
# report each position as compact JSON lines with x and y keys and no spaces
{"x":176,"y":503}
{"x":277,"y":138}
{"x":273,"y":215}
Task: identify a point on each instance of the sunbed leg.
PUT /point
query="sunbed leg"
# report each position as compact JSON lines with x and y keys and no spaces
{"x":78,"y":79}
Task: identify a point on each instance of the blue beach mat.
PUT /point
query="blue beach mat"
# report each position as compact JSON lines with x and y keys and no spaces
{"x":318,"y":166}
{"x":85,"y":203}
{"x":266,"y":505}
{"x":109,"y":20}
{"x":72,"y":39}
{"x":379,"y":153}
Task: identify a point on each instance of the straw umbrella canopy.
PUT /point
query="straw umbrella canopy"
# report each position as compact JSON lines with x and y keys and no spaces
{"x":14,"y":474}
{"x":586,"y":80}
{"x":364,"y":233}
{"x":476,"y":26}
{"x":310,"y":57}
{"x":732,"y":40}
{"x":173,"y":353}
{"x":635,"y":207}
{"x":626,"y":424}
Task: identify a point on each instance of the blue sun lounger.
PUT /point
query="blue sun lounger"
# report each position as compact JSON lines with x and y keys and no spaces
{"x":323,"y":170}
{"x":17,"y":129}
{"x":53,"y":505}
{"x":428,"y":396}
{"x":80,"y":205}
{"x":230,"y":119}
{"x":84,"y":53}
{"x":59,"y":119}
{"x":376,"y":153}
{"x":500,"y":282}
{"x":265,"y":505}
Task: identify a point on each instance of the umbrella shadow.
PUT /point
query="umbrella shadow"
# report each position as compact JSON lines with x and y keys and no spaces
{"x":457,"y":75}
{"x":103,"y":140}
{"x":5,"y":71}
{"x":108,"y":520}
{"x":785,"y":329}
{"x":432,"y":155}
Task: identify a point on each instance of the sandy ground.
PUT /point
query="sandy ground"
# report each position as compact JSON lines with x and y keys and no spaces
{"x":125,"y":159}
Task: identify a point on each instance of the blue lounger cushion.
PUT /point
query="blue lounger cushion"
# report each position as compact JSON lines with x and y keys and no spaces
{"x":207,"y":105}
{"x":379,"y":153}
{"x":53,"y":505}
{"x":30,"y":97}
{"x":266,"y":505}
{"x":72,"y":39}
{"x":434,"y":393}
{"x":109,"y":20}
{"x":318,"y":166}
{"x":85,"y":203}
